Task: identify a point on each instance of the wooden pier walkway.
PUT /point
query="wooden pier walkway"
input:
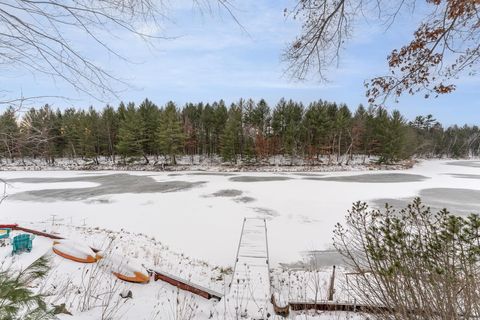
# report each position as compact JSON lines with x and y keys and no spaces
{"x":250,"y":287}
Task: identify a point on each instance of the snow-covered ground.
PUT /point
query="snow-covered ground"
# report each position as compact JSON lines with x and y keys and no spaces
{"x":189,"y":223}
{"x":91,"y":291}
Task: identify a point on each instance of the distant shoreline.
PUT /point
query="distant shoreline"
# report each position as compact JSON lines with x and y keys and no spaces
{"x":207,"y":166}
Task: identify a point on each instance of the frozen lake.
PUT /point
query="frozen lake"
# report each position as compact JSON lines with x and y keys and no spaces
{"x":200,"y":213}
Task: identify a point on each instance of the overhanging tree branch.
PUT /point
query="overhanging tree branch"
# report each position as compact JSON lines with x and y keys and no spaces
{"x":445,"y":45}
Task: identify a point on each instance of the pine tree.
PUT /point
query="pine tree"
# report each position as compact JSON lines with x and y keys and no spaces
{"x":261,"y":119}
{"x":130,"y":133}
{"x":208,"y":120}
{"x":59,"y":142}
{"x":9,"y":133}
{"x":256,"y":128}
{"x":342,"y":123}
{"x":358,"y":132}
{"x":170,"y":132}
{"x":398,"y":143}
{"x":248,"y":153}
{"x":70,"y":131}
{"x":390,"y":132}
{"x":287,"y":125}
{"x":249,"y":131}
{"x":316,"y":127}
{"x":90,"y":134}
{"x":220,"y":115}
{"x":110,"y":125}
{"x":193,"y":128}
{"x":149,"y":113}
{"x":17,"y":301}
{"x":231,"y":138}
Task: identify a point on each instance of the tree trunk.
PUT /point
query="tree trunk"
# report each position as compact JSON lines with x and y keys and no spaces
{"x":339,"y":147}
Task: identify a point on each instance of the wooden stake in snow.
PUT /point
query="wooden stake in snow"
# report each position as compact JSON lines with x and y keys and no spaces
{"x":331,"y":288}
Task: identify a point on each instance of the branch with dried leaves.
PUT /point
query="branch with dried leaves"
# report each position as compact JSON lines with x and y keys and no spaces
{"x":446,"y":45}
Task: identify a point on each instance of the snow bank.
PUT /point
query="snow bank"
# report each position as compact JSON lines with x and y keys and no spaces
{"x":203,"y":163}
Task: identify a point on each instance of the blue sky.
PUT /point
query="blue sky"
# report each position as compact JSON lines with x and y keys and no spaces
{"x":212,"y":58}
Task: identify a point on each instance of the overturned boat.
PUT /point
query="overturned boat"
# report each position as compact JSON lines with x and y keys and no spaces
{"x":74,"y":251}
{"x":124,"y":268}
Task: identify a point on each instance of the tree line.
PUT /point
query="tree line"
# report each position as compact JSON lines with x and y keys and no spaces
{"x":248,"y":131}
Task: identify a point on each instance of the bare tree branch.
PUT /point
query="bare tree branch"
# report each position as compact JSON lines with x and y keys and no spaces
{"x":41,"y":36}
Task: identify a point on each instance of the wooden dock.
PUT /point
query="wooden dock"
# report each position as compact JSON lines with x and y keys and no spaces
{"x":249,"y":291}
{"x":186,"y":285}
{"x":337,"y":306}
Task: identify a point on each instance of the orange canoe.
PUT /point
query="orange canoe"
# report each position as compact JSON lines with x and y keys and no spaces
{"x":74,"y":251}
{"x":124,"y":268}
{"x":138,"y":277}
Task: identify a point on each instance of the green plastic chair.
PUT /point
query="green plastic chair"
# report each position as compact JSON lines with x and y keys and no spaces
{"x":22,"y":242}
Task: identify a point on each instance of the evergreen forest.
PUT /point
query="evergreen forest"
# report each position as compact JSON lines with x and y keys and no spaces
{"x":247,"y":131}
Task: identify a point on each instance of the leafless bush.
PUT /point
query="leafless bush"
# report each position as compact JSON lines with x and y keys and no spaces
{"x":3,"y":195}
{"x":99,"y":288}
{"x":157,"y":258}
{"x":242,"y":295}
{"x":179,"y":305}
